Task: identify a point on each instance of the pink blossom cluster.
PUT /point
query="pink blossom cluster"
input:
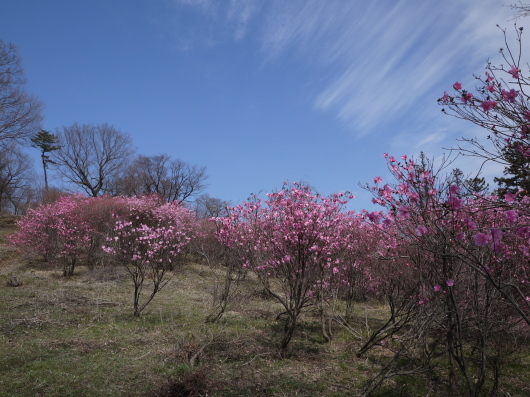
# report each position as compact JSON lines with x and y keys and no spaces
{"x":150,"y":233}
{"x":454,"y":233}
{"x":299,"y":238}
{"x":57,"y":232}
{"x":499,"y":104}
{"x":135,"y":228}
{"x":294,"y":231}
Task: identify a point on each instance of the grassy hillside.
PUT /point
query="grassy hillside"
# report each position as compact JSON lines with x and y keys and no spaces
{"x":77,"y":337}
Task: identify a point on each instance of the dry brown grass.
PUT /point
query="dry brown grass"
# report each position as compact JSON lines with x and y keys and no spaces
{"x":77,"y":336}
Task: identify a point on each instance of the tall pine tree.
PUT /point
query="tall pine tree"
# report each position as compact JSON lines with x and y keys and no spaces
{"x":517,"y":172}
{"x":477,"y":185}
{"x":46,"y":142}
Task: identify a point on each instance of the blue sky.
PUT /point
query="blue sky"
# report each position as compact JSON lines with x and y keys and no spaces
{"x":261,"y":91}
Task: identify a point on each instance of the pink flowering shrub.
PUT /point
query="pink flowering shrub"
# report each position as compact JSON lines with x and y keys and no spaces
{"x":499,"y":224}
{"x":466,"y":253}
{"x":142,"y":233}
{"x":294,"y":238}
{"x":101,"y":213}
{"x":147,"y":241}
{"x":355,"y":278}
{"x":57,"y":232}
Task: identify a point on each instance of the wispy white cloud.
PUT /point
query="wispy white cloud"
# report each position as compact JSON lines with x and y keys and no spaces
{"x":208,"y":7}
{"x":387,"y":56}
{"x":431,"y":139}
{"x":376,"y":61}
{"x":236,"y":15}
{"x":240,"y":14}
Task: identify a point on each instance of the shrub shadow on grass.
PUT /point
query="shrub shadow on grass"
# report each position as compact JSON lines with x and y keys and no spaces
{"x":194,"y":384}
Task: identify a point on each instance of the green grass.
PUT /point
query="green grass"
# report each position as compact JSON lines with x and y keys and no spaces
{"x":77,"y":337}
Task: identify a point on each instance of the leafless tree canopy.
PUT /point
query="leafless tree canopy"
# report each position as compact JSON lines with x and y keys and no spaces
{"x":17,"y":180}
{"x":210,"y":207}
{"x":20,"y":113}
{"x":175,"y":180}
{"x":92,"y":156}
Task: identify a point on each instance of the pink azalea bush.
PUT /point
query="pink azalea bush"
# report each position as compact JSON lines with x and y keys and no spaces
{"x":500,"y":224}
{"x":295,"y":238}
{"x":58,"y":232}
{"x":148,"y":239}
{"x":101,"y":213}
{"x":141,"y":233}
{"x":467,"y":254}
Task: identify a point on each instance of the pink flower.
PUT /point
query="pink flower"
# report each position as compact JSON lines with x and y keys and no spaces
{"x":509,"y":197}
{"x":374,"y":216}
{"x":481,"y":239}
{"x":387,"y":222}
{"x":523,"y":232}
{"x":491,"y":88}
{"x":387,"y":191}
{"x":385,"y":155}
{"x":469,"y":224}
{"x":488,"y":105}
{"x":455,"y":203}
{"x":450,"y":282}
{"x":467,"y":97}
{"x":514,"y":72}
{"x":499,"y":248}
{"x":421,"y":230}
{"x":509,"y":95}
{"x":445,"y":98}
{"x":378,"y":179}
{"x":404,"y":211}
{"x":404,"y":157}
{"x":490,"y":77}
{"x":497,"y":235}
{"x":437,"y":288}
{"x":413,"y":197}
{"x":512,"y":216}
{"x":457,"y":86}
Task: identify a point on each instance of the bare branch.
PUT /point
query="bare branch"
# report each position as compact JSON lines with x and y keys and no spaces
{"x":20,"y":113}
{"x":92,"y":156}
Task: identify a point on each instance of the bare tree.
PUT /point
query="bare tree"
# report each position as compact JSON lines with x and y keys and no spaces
{"x":185,"y":180}
{"x":20,"y":113}
{"x":147,"y":174}
{"x":210,"y":207}
{"x":23,"y":198}
{"x":174,"y":180}
{"x":92,"y":156}
{"x":16,"y":179}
